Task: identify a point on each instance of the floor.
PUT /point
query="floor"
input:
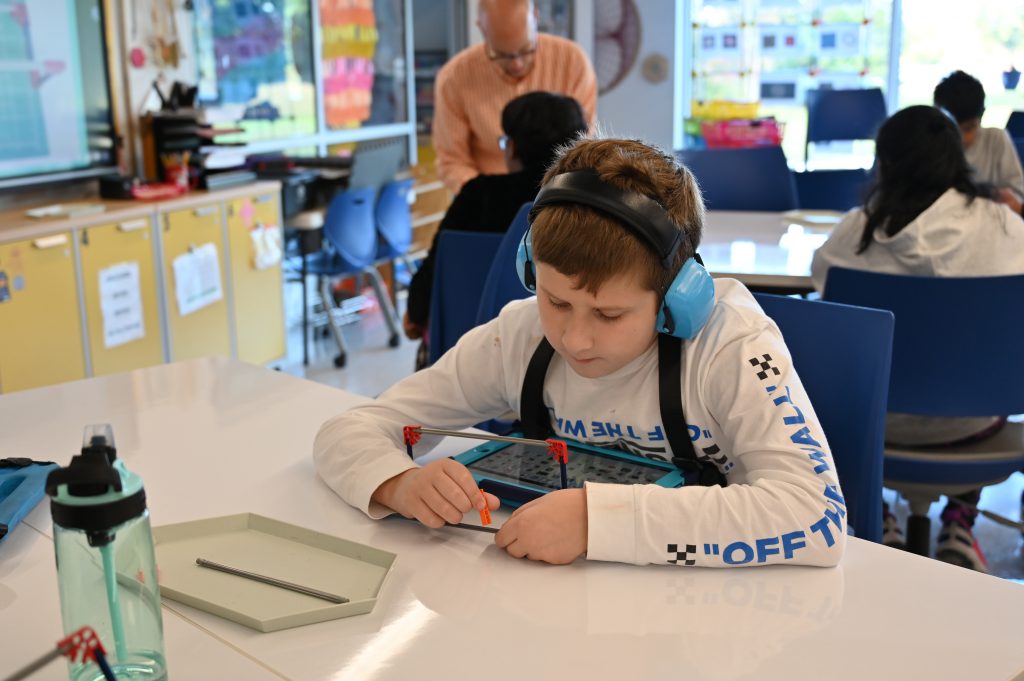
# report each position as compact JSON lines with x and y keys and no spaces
{"x":373,"y":367}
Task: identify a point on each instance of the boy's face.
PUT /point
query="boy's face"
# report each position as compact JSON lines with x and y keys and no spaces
{"x":596,"y":334}
{"x":969,"y":131}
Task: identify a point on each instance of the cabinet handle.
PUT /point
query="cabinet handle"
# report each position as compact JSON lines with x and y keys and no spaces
{"x":204,"y":211}
{"x":50,"y":241}
{"x":263,"y":199}
{"x":133,"y":225}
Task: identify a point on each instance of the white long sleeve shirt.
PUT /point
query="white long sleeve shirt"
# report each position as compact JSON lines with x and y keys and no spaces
{"x":745,"y":406}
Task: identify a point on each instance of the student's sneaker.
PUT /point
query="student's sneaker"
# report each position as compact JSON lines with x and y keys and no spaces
{"x":892,"y":534}
{"x":958,"y":546}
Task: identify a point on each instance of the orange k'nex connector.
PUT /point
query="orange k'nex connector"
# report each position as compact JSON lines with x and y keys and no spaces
{"x":485,"y":512}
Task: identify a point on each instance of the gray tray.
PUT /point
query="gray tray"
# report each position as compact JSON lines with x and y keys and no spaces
{"x":269,"y":547}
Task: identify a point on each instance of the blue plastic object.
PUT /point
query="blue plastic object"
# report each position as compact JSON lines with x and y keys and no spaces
{"x":956,"y":353}
{"x":462,"y":264}
{"x":756,"y":179}
{"x":838,"y":115}
{"x":503,"y":283}
{"x":842,"y":354}
{"x":840,"y":190}
{"x":394,"y":220}
{"x":1015,"y":125}
{"x":21,"y":488}
{"x":351,"y":233}
{"x":517,"y":473}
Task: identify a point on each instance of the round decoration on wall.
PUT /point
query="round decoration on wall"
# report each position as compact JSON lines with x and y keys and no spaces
{"x":654,"y":68}
{"x":616,"y":41}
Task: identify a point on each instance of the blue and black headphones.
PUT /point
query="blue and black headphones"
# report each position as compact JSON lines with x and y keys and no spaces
{"x":687,"y":301}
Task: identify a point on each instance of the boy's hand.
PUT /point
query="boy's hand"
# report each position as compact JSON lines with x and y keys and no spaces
{"x":440,"y":492}
{"x":1010,"y":198}
{"x":552,"y":529}
{"x":413,"y":331}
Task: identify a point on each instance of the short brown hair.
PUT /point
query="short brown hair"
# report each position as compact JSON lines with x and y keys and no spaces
{"x":591,"y":246}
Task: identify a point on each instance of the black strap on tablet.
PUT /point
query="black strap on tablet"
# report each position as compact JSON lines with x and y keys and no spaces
{"x":537,"y":422}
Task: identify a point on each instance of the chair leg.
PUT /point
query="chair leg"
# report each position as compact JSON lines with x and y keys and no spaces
{"x":327,"y":300}
{"x":390,"y":316}
{"x":919,"y":526}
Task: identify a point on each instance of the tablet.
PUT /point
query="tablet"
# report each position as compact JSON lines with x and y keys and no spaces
{"x":519,"y":472}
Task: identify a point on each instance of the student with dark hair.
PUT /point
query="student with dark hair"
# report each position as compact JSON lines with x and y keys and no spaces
{"x":990,"y":151}
{"x":926,"y":216}
{"x":535,"y":125}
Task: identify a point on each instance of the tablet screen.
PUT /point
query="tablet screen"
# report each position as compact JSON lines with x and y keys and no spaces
{"x":532,"y":465}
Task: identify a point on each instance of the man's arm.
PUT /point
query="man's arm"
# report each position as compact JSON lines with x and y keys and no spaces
{"x":451,"y":134}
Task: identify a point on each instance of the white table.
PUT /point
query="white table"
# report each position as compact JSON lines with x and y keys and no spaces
{"x":766,"y":251}
{"x":214,"y":437}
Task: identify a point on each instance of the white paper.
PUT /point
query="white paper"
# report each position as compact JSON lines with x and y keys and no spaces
{"x":197,"y":279}
{"x":121,"y":304}
{"x":266,"y":245}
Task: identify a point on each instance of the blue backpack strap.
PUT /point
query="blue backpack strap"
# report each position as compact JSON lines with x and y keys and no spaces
{"x":533,"y":413}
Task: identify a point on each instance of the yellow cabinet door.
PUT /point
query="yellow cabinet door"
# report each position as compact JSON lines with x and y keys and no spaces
{"x":122,"y":310}
{"x":196,"y":303}
{"x":254,"y":230}
{"x":40,"y":325}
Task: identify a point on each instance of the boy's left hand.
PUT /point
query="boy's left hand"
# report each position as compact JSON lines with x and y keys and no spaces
{"x":552,"y":529}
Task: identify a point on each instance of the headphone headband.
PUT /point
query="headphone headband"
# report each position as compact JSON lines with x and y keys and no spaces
{"x":641,"y":215}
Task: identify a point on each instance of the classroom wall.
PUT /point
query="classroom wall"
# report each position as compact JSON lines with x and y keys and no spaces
{"x":642,"y":104}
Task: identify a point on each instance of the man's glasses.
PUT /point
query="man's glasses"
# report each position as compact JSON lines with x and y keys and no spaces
{"x":524,"y":53}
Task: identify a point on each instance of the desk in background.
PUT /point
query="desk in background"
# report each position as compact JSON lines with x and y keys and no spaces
{"x":215,"y":437}
{"x":768,"y":252}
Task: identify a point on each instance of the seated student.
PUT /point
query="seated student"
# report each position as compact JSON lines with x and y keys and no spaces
{"x":536,"y":125}
{"x":926,"y":216}
{"x":990,"y":151}
{"x":623,"y":314}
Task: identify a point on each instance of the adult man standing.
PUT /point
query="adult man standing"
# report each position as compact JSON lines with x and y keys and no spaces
{"x":474,"y":86}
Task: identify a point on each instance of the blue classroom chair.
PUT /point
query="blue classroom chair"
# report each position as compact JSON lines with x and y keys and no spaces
{"x":502,"y":284}
{"x":755,"y":179}
{"x":840,"y":190}
{"x":956,"y":353}
{"x":1015,"y":125}
{"x":461,"y":265}
{"x":842,"y":355}
{"x":842,"y":115}
{"x":350,"y":249}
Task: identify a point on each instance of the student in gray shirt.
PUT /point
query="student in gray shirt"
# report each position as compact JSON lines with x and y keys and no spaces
{"x":990,"y":151}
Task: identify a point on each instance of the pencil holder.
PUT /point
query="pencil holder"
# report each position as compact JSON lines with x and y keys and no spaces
{"x":106,"y":568}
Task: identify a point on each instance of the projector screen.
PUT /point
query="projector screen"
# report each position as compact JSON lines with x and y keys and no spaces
{"x":55,"y":112}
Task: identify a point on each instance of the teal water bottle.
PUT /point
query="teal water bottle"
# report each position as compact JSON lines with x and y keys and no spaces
{"x":106,"y":568}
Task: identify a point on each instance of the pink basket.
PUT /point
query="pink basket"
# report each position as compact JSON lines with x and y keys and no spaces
{"x":739,"y":133}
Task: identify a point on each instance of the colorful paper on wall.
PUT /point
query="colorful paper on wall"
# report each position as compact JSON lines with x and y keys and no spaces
{"x":780,"y":41}
{"x":840,"y":40}
{"x":350,"y":37}
{"x":121,"y":304}
{"x":197,"y":279}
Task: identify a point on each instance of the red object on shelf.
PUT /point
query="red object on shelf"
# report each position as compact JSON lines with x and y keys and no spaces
{"x":740,"y":133}
{"x":155,"y":191}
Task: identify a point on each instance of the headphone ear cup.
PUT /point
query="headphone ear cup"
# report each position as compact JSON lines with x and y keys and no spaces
{"x":688,"y":301}
{"x":524,"y":262}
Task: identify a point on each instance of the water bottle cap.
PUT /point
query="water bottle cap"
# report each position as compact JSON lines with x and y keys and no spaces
{"x":95,"y":492}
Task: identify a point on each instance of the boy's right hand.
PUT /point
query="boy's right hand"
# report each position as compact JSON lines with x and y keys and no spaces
{"x":435,"y":494}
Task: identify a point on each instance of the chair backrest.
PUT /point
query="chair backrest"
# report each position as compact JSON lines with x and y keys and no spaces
{"x":831,"y":189}
{"x":350,"y":229}
{"x":461,"y":265}
{"x":957,"y":345}
{"x":844,"y":114}
{"x":842,"y":354}
{"x":1015,"y":125}
{"x":755,"y":179}
{"x":502,"y":284}
{"x":394,"y":219}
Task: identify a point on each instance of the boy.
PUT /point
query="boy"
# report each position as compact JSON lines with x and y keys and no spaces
{"x":989,"y":151}
{"x":601,"y":291}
